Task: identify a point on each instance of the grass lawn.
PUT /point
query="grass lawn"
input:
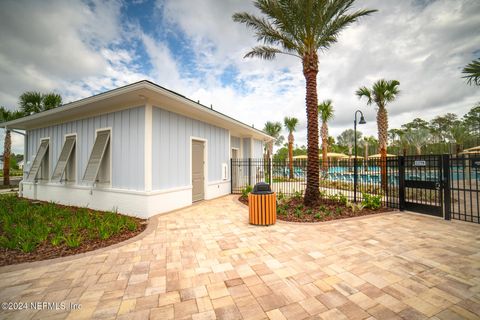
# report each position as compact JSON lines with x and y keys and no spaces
{"x":39,"y":230}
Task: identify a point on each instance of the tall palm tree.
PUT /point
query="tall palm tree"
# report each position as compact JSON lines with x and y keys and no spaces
{"x":35,"y":102}
{"x":273,"y":129}
{"x":472,"y":72}
{"x":381,"y":93}
{"x":301,"y":28}
{"x":325,"y":110}
{"x":7,"y":115}
{"x":290,"y":125}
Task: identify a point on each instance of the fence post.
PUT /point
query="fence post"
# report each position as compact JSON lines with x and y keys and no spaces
{"x":401,"y":183}
{"x":270,"y":171}
{"x":231,"y":175}
{"x":447,"y":215}
{"x":249,"y":171}
{"x":355,"y":173}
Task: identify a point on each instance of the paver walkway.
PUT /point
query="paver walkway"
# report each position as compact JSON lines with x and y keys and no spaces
{"x":206,"y":262}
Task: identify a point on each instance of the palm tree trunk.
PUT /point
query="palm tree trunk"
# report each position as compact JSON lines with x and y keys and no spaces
{"x":310,"y":71}
{"x":382,"y":124}
{"x":290,"y":154}
{"x":324,"y":147}
{"x":6,"y":158}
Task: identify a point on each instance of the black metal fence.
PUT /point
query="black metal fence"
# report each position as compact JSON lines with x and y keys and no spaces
{"x":440,"y":185}
{"x":336,"y":177}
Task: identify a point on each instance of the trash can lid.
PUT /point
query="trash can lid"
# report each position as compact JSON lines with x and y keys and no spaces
{"x":262,"y":188}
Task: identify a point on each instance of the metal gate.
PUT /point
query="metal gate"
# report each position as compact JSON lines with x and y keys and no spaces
{"x":422,"y":184}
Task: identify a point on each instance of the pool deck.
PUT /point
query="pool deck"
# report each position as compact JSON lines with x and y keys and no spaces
{"x":207,"y":262}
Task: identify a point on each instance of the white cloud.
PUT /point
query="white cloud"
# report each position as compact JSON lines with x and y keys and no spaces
{"x":80,"y":49}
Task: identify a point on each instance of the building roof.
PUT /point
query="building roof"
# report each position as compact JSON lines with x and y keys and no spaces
{"x":135,"y":94}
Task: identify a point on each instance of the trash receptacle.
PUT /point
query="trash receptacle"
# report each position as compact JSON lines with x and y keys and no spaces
{"x":262,"y":205}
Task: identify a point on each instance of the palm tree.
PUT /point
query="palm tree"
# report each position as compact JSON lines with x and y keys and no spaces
{"x":35,"y":102}
{"x":7,"y":115}
{"x":325,"y":110}
{"x":381,"y":93}
{"x":472,"y":72}
{"x":290,"y":124}
{"x":300,"y":29}
{"x":273,"y":129}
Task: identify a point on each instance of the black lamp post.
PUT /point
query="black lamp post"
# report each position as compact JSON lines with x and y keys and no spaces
{"x":355,"y":170}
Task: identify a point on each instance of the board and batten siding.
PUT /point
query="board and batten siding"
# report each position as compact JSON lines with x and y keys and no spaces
{"x":127,"y":145}
{"x":246,"y":148}
{"x":257,"y":149}
{"x":171,"y":149}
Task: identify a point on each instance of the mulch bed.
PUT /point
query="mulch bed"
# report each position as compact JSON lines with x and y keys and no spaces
{"x":46,"y":250}
{"x":327,"y":209}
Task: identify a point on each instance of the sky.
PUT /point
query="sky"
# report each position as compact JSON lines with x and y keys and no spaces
{"x":81,"y":48}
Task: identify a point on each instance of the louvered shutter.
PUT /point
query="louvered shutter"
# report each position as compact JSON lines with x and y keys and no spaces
{"x":96,"y":156}
{"x":37,"y":162}
{"x":63,"y":159}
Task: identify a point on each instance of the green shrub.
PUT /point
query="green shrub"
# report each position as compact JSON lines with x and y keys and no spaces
{"x":371,"y":201}
{"x":297,"y":195}
{"x":298,"y":212}
{"x":319,"y":216}
{"x":355,"y":207}
{"x":246,"y":191}
{"x":72,"y":240}
{"x":282,"y":210}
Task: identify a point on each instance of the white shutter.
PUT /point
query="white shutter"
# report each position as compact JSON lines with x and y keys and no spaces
{"x":37,"y":162}
{"x":63,"y":159}
{"x":96,"y":156}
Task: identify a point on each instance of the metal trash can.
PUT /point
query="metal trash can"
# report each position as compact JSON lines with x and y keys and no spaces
{"x":262,"y":205}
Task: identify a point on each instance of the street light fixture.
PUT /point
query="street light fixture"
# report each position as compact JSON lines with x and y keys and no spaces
{"x":355,"y":169}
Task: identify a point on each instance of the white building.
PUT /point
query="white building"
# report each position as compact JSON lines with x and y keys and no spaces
{"x":139,"y":149}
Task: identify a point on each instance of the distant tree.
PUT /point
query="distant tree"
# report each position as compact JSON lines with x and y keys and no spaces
{"x":381,"y":93}
{"x":347,"y":139}
{"x":472,"y":120}
{"x":418,"y":138}
{"x":290,"y":125}
{"x":459,"y":133}
{"x":273,"y":129}
{"x":472,"y":72}
{"x":301,"y":29}
{"x":441,"y":126}
{"x":7,"y":115}
{"x":325,"y":111}
{"x":35,"y":102}
{"x":416,"y":123}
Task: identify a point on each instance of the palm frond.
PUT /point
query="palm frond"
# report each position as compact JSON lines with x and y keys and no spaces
{"x":364,"y":92}
{"x":325,"y":109}
{"x":472,"y":72}
{"x":290,"y":123}
{"x":264,"y":52}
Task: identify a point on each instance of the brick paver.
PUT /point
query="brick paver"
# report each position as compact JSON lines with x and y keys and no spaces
{"x":207,"y":262}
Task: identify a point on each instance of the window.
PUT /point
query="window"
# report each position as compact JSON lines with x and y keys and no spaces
{"x":66,"y":161}
{"x":40,"y":163}
{"x":98,"y":166}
